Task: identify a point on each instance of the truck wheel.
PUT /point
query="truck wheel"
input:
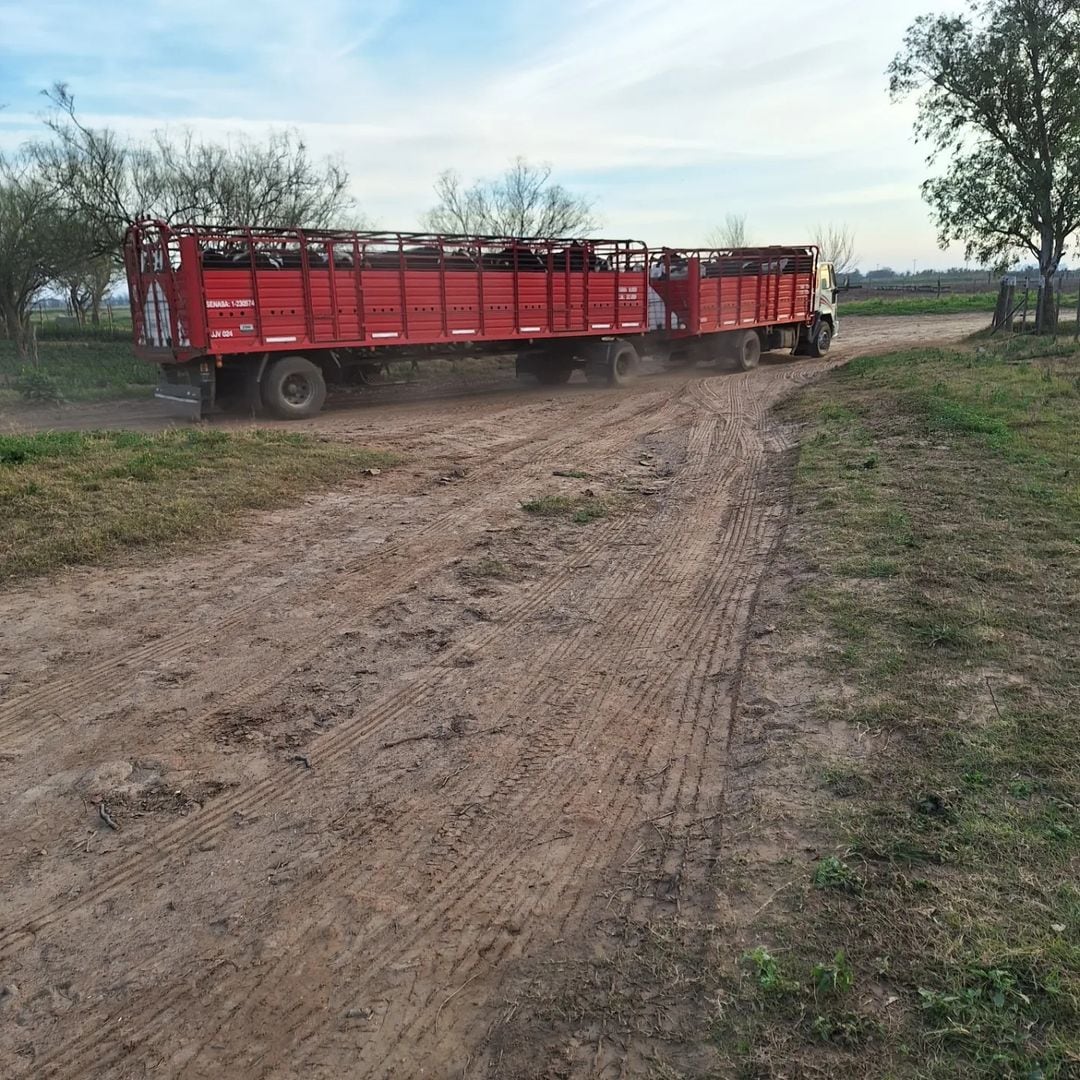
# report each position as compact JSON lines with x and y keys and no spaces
{"x":293,"y":388}
{"x":822,"y":339}
{"x":748,"y":350}
{"x":612,"y":364}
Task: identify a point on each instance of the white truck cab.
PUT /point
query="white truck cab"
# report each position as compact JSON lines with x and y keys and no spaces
{"x":826,"y":306}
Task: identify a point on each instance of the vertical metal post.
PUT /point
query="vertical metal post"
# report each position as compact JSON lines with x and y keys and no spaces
{"x":335,"y":320}
{"x":358,"y":288}
{"x":401,"y":287}
{"x":480,"y":289}
{"x":254,"y":284}
{"x":305,"y":287}
{"x":442,"y":288}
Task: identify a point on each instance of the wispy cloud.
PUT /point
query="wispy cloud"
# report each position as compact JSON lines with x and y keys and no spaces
{"x":670,"y":115}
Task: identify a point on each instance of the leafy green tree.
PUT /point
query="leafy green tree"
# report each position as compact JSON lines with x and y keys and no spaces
{"x":999,"y":105}
{"x":31,"y":248}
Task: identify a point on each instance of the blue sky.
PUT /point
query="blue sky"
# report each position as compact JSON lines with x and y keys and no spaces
{"x":667,"y":113}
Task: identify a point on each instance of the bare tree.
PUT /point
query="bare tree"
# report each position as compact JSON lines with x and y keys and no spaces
{"x":521,"y":202}
{"x":108,"y":181}
{"x":30,"y":245}
{"x":732,"y":234}
{"x":86,"y":283}
{"x":837,"y":245}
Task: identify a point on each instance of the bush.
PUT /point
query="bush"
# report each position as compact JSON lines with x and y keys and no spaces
{"x":35,"y":385}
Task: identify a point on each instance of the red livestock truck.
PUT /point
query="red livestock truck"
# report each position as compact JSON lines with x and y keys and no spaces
{"x":269,"y":317}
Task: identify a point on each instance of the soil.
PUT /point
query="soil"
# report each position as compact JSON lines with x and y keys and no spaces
{"x":312,"y":802}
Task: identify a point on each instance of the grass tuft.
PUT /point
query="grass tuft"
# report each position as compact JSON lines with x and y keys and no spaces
{"x":580,"y":509}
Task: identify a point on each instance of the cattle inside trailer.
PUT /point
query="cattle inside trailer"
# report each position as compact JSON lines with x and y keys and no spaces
{"x":270,"y":316}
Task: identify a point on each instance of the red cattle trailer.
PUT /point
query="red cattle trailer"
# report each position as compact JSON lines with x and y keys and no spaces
{"x":271,"y":315}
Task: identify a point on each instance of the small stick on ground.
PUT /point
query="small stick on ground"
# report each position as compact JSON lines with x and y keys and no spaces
{"x":993,"y":697}
{"x":103,"y":813}
{"x":472,"y":978}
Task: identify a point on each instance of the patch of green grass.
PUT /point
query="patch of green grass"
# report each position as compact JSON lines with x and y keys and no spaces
{"x":84,"y":497}
{"x":960,"y":660}
{"x":930,"y":304}
{"x":88,"y":369}
{"x":580,"y":509}
{"x":926,"y":304}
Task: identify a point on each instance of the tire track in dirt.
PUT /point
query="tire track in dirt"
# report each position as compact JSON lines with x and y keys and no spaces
{"x":639,"y":570}
{"x":651,"y":621}
{"x":616,"y":810}
{"x":323,"y":755}
{"x":49,"y":708}
{"x":333,"y":746}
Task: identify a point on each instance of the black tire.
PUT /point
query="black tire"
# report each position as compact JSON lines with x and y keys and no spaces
{"x":748,"y":350}
{"x":822,"y":339}
{"x":613,"y":363}
{"x":293,"y":388}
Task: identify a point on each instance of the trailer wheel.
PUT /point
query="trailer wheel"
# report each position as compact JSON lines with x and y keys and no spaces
{"x":822,"y":339}
{"x":293,"y":388}
{"x":748,"y":350}
{"x":612,"y":364}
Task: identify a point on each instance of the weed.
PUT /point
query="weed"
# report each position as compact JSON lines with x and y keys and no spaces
{"x":766,"y":969}
{"x":836,"y":977}
{"x":846,"y":1029}
{"x":834,"y":873}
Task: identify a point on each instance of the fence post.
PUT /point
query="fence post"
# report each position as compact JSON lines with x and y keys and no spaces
{"x":1003,"y":311}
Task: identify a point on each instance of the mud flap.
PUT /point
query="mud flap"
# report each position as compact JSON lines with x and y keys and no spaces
{"x":186,"y":391}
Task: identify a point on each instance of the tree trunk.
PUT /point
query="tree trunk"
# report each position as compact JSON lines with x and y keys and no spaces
{"x":18,"y":326}
{"x":1045,"y":315}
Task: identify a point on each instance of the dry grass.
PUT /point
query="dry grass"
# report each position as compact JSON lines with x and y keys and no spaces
{"x":84,"y":497}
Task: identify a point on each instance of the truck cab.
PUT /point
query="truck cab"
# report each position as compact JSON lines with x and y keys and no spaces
{"x":826,"y":306}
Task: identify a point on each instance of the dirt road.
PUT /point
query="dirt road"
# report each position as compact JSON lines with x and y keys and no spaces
{"x":309,"y":804}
